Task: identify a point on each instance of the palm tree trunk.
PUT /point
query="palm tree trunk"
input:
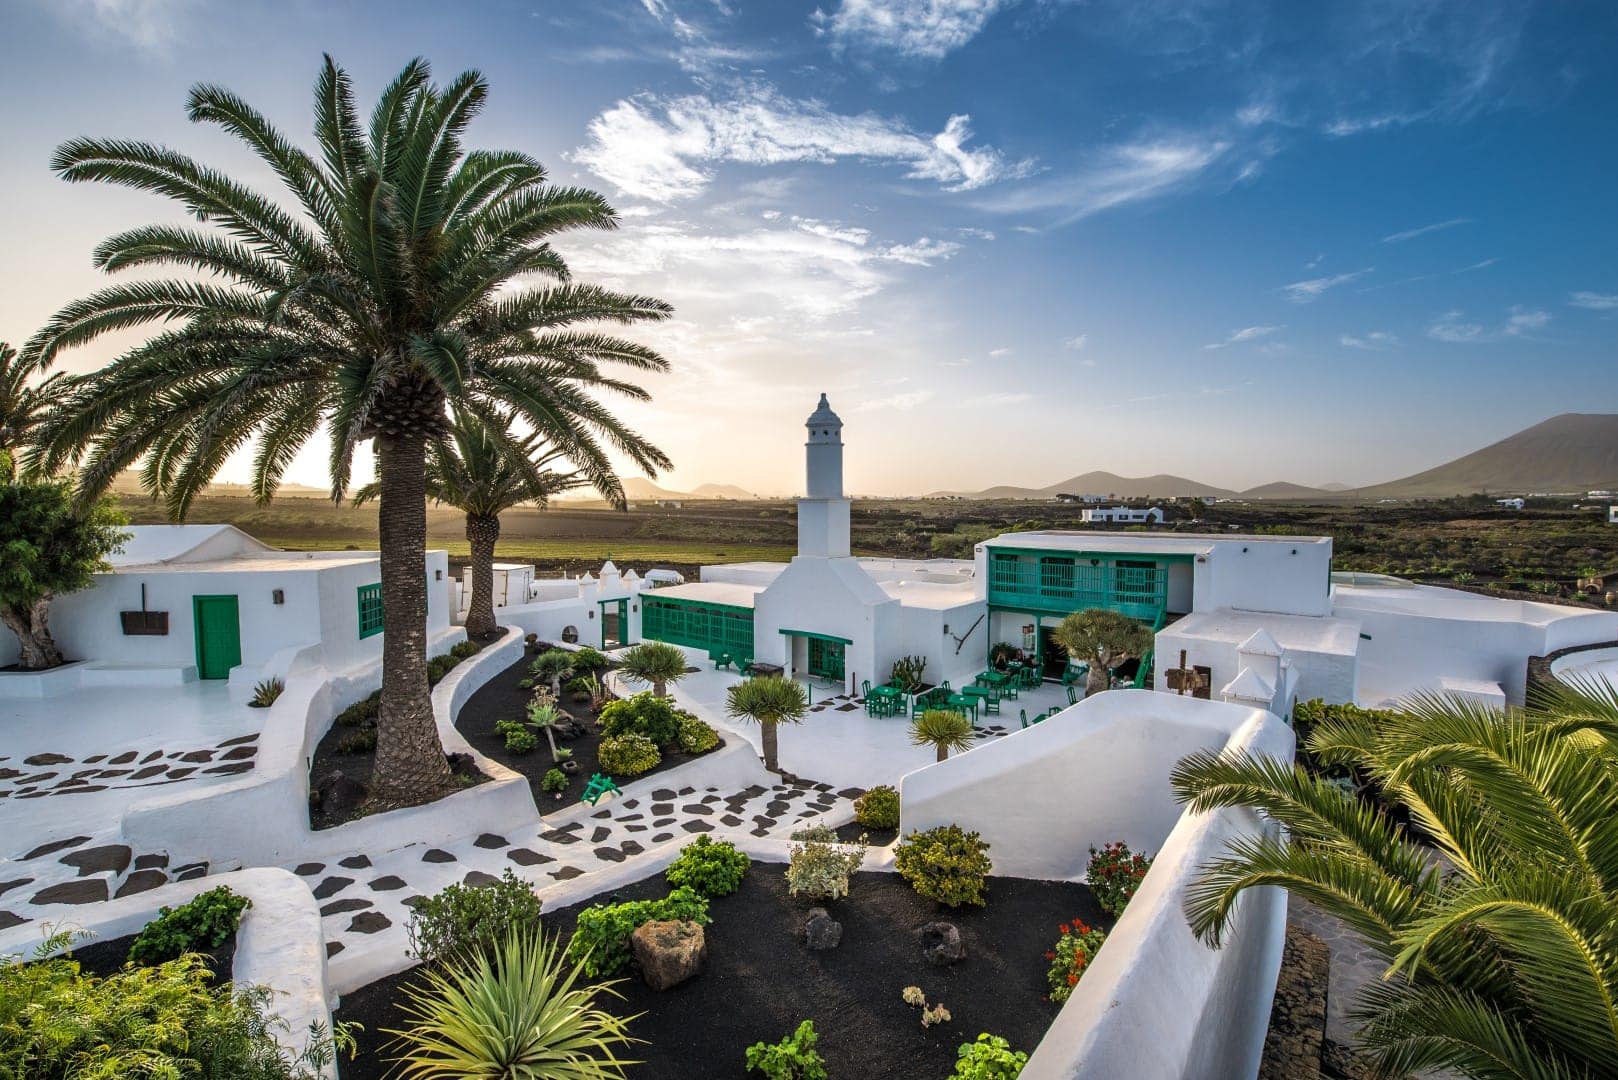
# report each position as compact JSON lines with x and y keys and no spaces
{"x":410,"y":763}
{"x":481,"y":534}
{"x":943,"y":752}
{"x":660,"y":688}
{"x":768,"y":728}
{"x":37,"y":650}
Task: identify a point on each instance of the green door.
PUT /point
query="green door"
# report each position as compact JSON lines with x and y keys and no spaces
{"x":825,"y":658}
{"x":219,"y":635}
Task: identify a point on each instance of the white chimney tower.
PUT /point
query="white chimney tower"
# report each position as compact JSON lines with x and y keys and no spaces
{"x":823,"y":515}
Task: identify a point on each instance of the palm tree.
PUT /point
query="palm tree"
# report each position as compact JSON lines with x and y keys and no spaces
{"x":1502,"y":955}
{"x":397,"y":289}
{"x":22,"y":404}
{"x":767,"y":701}
{"x":553,"y":666}
{"x":942,"y":729}
{"x":544,"y":714}
{"x":482,"y":471}
{"x":654,"y":662}
{"x":1102,"y":638}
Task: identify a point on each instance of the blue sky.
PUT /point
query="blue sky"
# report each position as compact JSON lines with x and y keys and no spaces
{"x":1013,"y":240}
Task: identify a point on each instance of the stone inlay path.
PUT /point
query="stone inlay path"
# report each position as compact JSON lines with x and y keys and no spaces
{"x":366,"y":901}
{"x":39,"y":775}
{"x":49,"y":881}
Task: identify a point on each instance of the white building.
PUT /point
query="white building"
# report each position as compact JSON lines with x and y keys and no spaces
{"x":185,"y":602}
{"x":1510,"y":504}
{"x":1122,"y":515}
{"x":1612,"y":515}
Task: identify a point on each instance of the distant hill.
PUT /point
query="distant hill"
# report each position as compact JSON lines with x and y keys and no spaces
{"x":1573,"y":452}
{"x":1335,"y":485}
{"x":721,"y":491}
{"x":1284,"y":490}
{"x":1161,"y":485}
{"x":128,"y":483}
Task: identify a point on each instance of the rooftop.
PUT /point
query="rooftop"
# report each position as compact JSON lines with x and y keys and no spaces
{"x":1162,"y":543}
{"x":1303,"y":633}
{"x":709,"y":592}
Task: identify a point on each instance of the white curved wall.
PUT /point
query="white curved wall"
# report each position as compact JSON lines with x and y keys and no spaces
{"x":1157,"y":1003}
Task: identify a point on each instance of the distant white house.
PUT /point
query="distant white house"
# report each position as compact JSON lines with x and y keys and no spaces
{"x":1123,"y":515}
{"x":1612,"y":515}
{"x":1064,"y":497}
{"x":1510,"y":504}
{"x":185,"y":602}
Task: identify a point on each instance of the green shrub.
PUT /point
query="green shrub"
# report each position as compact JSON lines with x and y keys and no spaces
{"x":908,"y":672}
{"x":463,"y":649}
{"x":821,"y":863}
{"x":521,"y":740}
{"x":590,"y":661}
{"x":200,"y":925}
{"x":696,"y":737}
{"x":601,"y":941}
{"x":628,"y":755}
{"x":793,"y":1058}
{"x":711,"y":867}
{"x":471,"y":918}
{"x":58,"y":1023}
{"x":360,"y":741}
{"x":878,"y":808}
{"x":946,"y":864}
{"x":1071,"y":955}
{"x":439,"y":666}
{"x":1115,"y":874}
{"x":265,"y":693}
{"x":990,"y":1058}
{"x":553,"y":780}
{"x":361,"y":711}
{"x":642,"y":714}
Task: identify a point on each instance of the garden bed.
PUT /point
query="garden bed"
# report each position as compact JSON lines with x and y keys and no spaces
{"x":340,"y":773}
{"x":504,"y":698}
{"x":761,"y":980}
{"x":103,"y":958}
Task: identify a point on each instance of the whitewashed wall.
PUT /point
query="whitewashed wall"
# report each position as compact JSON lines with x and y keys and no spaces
{"x":1265,"y":575}
{"x":1328,"y":676}
{"x":1420,"y":635}
{"x":833,"y":597}
{"x":1157,"y":1003}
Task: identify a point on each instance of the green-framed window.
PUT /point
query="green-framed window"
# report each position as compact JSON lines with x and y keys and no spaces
{"x":699,"y":625}
{"x":370,"y":606}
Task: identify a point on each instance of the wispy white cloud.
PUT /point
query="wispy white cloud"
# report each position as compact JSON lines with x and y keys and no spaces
{"x":923,"y":29}
{"x":665,"y":148}
{"x":1005,"y":398}
{"x":1077,"y":342}
{"x":1000,"y":353}
{"x":1246,"y":333}
{"x":1594,"y":301}
{"x":902,"y":402}
{"x":1454,"y":328}
{"x":1302,"y":292}
{"x":149,"y":25}
{"x":975,"y":234}
{"x":1374,"y":341}
{"x":1123,"y":174}
{"x":1423,"y":230}
{"x":1314,"y":262}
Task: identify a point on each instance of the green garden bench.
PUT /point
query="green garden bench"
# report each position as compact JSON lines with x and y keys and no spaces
{"x":598,"y":786}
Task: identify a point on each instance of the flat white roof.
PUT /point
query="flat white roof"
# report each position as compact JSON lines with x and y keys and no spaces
{"x":149,"y":544}
{"x":1303,"y":633}
{"x":1435,"y":602}
{"x":708,"y":592}
{"x":938,"y":595}
{"x":1157,"y":543}
{"x":271,"y":561}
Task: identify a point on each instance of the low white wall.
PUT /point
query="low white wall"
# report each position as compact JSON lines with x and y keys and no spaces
{"x":549,"y":618}
{"x":262,"y":818}
{"x":1587,"y":664}
{"x":1157,"y":1003}
{"x":278,"y":944}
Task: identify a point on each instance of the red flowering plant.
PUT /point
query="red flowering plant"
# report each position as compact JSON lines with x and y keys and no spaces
{"x":1070,"y":957}
{"x":1115,"y":874}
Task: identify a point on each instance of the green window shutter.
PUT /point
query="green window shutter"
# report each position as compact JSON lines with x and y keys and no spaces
{"x":370,"y":606}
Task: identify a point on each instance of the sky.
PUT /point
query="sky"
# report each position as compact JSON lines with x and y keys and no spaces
{"x":1013,"y":240}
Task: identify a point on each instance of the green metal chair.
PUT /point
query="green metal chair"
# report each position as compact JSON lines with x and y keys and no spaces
{"x":1022,"y":714}
{"x":598,"y":786}
{"x":991,"y":704}
{"x":1072,"y":695}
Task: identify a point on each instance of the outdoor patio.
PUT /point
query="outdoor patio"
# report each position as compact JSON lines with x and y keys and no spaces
{"x":837,"y":742}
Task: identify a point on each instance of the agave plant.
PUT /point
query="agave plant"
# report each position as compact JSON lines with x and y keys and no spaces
{"x":519,"y":1014}
{"x":942,"y":729}
{"x":1501,"y":951}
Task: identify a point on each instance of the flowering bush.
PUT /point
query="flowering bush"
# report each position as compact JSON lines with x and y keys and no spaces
{"x":878,"y":808}
{"x":627,"y":755}
{"x":1115,"y":874}
{"x":695,"y":736}
{"x":1071,"y":956}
